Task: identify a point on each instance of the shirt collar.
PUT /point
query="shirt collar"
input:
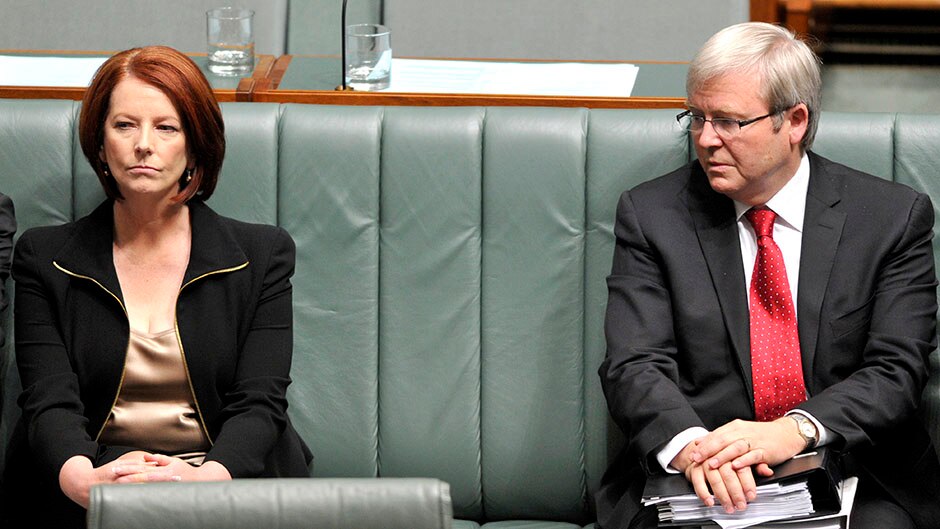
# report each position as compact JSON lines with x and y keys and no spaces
{"x":790,"y":202}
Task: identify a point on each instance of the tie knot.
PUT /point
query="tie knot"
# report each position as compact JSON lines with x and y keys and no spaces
{"x":762,"y":219}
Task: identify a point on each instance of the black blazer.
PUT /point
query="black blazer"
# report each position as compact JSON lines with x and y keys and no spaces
{"x":234,"y":321}
{"x":677,"y":327}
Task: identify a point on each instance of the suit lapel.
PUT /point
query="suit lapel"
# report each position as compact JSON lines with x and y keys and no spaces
{"x":717,"y":232}
{"x":88,"y":252}
{"x":714,"y":218}
{"x":822,"y":230}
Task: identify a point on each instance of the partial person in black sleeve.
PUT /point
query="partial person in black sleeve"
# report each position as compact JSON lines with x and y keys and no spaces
{"x":7,"y":230}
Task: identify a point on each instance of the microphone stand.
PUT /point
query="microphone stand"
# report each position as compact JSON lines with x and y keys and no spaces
{"x":342,"y":75}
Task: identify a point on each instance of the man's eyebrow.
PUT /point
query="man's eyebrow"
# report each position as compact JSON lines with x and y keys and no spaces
{"x":719,"y":113}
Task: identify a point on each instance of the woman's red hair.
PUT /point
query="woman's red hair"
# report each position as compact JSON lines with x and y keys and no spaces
{"x":177,"y":76}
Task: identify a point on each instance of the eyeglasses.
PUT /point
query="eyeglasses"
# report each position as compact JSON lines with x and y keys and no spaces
{"x":724,"y":127}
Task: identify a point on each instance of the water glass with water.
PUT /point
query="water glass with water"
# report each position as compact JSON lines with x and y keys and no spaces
{"x":231,"y":41}
{"x":368,"y":57}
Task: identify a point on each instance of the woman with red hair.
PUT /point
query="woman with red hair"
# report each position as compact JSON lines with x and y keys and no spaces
{"x":153,"y":337}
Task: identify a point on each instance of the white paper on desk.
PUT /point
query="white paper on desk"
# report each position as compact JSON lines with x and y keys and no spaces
{"x":513,"y":78}
{"x":48,"y":71}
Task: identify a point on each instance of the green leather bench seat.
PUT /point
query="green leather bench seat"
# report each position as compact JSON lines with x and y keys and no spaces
{"x":450,"y":285}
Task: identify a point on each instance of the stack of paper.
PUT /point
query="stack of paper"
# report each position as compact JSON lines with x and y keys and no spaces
{"x":774,"y":501}
{"x":783,"y":506}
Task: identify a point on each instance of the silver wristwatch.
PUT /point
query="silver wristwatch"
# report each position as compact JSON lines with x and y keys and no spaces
{"x":807,"y":429}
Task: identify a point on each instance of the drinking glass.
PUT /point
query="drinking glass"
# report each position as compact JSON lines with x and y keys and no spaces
{"x":368,"y":57}
{"x":231,"y":41}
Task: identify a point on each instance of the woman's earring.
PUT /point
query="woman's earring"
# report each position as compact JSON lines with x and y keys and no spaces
{"x":104,"y":169}
{"x":189,"y":175}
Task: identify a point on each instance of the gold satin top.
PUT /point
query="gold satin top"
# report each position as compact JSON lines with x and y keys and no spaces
{"x":155,"y":409}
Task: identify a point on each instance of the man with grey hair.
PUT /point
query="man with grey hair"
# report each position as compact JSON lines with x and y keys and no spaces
{"x":764,"y":300}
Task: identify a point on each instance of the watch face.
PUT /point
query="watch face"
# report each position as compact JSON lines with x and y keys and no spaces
{"x":808,"y":429}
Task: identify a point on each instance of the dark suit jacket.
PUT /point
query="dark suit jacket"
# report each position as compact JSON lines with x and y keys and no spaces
{"x":677,"y":327}
{"x":234,"y":320}
{"x":7,"y":229}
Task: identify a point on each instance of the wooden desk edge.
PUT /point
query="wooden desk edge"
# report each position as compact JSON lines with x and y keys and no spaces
{"x":327,"y":97}
{"x":278,"y":71}
{"x":247,"y":85}
{"x":76,"y":93}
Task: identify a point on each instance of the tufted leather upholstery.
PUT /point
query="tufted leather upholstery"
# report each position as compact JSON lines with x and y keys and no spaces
{"x":450,"y":284}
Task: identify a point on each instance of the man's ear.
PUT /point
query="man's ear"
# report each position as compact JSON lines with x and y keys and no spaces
{"x":798,"y":119}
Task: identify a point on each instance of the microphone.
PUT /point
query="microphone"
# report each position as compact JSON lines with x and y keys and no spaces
{"x":342,"y":66}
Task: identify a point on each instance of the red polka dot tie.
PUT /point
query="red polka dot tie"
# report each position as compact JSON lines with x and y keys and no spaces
{"x":775,"y":344}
